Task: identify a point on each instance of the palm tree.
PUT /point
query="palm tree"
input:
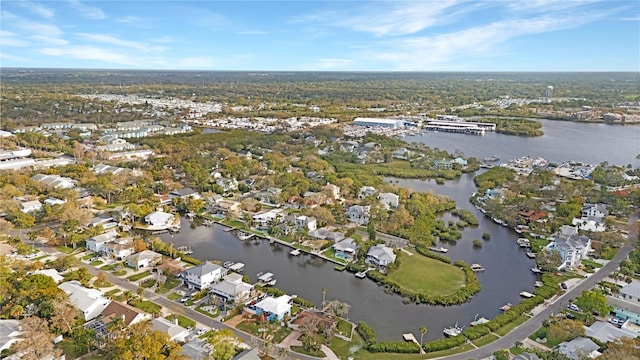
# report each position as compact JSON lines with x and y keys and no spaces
{"x":423,"y":330}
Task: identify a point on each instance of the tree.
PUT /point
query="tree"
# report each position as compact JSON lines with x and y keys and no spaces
{"x":593,"y":302}
{"x":83,"y":339}
{"x":548,"y":260}
{"x":223,"y":343}
{"x":310,"y":337}
{"x":338,"y":308}
{"x":139,"y":245}
{"x":37,"y":342}
{"x":64,"y":317}
{"x":423,"y":330}
{"x":140,"y":341}
{"x":623,"y":348}
{"x":565,"y":330}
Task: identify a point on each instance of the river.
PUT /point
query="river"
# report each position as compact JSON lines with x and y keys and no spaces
{"x":507,"y":267}
{"x":562,"y":141}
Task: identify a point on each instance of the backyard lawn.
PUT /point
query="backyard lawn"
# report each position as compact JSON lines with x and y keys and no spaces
{"x":421,"y":274}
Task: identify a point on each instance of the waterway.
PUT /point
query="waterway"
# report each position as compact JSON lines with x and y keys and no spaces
{"x":562,"y":141}
{"x":507,"y":269}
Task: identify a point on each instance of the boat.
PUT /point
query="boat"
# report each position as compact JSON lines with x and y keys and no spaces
{"x":439,"y":249}
{"x":523,"y":242}
{"x":477,"y":267}
{"x":207,"y":222}
{"x":526,"y":294}
{"x":295,"y":252}
{"x":454,"y":330}
{"x":505,"y":307}
{"x":237,"y":267}
{"x":536,"y":270}
{"x":479,"y":321}
{"x":539,"y":284}
{"x":361,"y":274}
{"x":185,"y":250}
{"x":228,"y":264}
{"x":531,"y":255}
{"x":244,"y":236}
{"x":266,"y":278}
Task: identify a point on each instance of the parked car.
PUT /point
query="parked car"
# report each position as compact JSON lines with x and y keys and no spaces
{"x":573,"y":307}
{"x":185,"y":299}
{"x":570,"y":316}
{"x":201,"y":331}
{"x":564,"y":286}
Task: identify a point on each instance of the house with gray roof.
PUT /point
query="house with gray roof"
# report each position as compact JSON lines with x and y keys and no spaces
{"x":380,"y":256}
{"x":628,"y":310}
{"x":203,"y":276}
{"x":90,"y":302}
{"x":232,"y":288}
{"x":196,"y":349}
{"x":346,"y":249}
{"x":145,"y":258}
{"x":578,"y":348}
{"x":572,"y":249}
{"x":9,"y":333}
{"x":606,"y":332}
{"x":176,"y":332}
{"x":55,"y":181}
{"x":631,"y":291}
{"x":184,"y":193}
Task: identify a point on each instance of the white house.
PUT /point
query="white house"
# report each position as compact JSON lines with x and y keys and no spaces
{"x":306,"y":222}
{"x":359,"y":214}
{"x":55,"y":181}
{"x":227,"y":184}
{"x":594,"y":211}
{"x":202,"y":276}
{"x":381,"y":256}
{"x":159,"y":219}
{"x":176,"y":332}
{"x":588,"y":225}
{"x":264,"y":219}
{"x":366,"y":191}
{"x":232,"y":288}
{"x":30,"y":206}
{"x":119,"y":250}
{"x":51,"y":201}
{"x":346,"y":249}
{"x":90,"y":302}
{"x":274,"y":308}
{"x":572,"y":249}
{"x":96,"y":243}
{"x":579,"y":348}
{"x":145,"y":258}
{"x":389,"y":200}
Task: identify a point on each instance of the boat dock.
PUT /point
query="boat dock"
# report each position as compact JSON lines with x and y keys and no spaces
{"x":243,"y":235}
{"x":451,"y":331}
{"x":438,"y":249}
{"x":526,"y":294}
{"x":505,"y":307}
{"x":237,"y":267}
{"x":411,"y":338}
{"x":185,"y":250}
{"x":361,"y":274}
{"x":477,"y":267}
{"x":479,"y":321}
{"x":266,"y":279}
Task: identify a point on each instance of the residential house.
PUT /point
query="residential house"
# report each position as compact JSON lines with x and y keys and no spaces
{"x":346,"y":249}
{"x":52,"y":273}
{"x":248,"y":354}
{"x":119,"y":249}
{"x":51,"y":201}
{"x":578,"y":348}
{"x":129,"y":314}
{"x":102,"y":220}
{"x":367,"y":191}
{"x":30,"y":206}
{"x":184,"y":193}
{"x":313,"y":199}
{"x":263,"y":220}
{"x":326,"y":233}
{"x":493,"y":194}
{"x":459,"y":160}
{"x":97,"y":243}
{"x":197,"y":349}
{"x":227,"y":184}
{"x":594,"y":211}
{"x":203,"y":276}
{"x":270,"y":196}
{"x":324,"y":320}
{"x":604,"y":332}
{"x":530,"y":216}
{"x":389,"y":200}
{"x":402,"y":154}
{"x":631,"y":291}
{"x":589,"y":225}
{"x":173,"y":266}
{"x":359,"y":214}
{"x":10,"y":331}
{"x":624,"y":309}
{"x":90,"y":302}
{"x":160,"y":219}
{"x":274,"y":308}
{"x":176,"y":332}
{"x":232,"y":288}
{"x":526,"y":356}
{"x":308,"y":223}
{"x":572,"y":250}
{"x":55,"y":181}
{"x":143,"y":259}
{"x":442,"y":164}
{"x":224,"y":207}
{"x":380,"y":256}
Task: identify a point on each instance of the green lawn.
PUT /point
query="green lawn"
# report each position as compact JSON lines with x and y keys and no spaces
{"x":591,"y":263}
{"x":344,"y":327}
{"x":183,"y":321}
{"x":512,"y":325}
{"x":174,"y":296}
{"x":302,"y":350}
{"x":110,"y":267}
{"x":233,"y":223}
{"x":96,"y":263}
{"x":111,"y":292}
{"x":87,"y":257}
{"x":138,"y":276}
{"x":147,"y":284}
{"x":168,"y":285}
{"x":278,"y":332}
{"x":120,"y":272}
{"x":148,"y":306}
{"x":65,"y":249}
{"x":421,"y":274}
{"x":484,"y":340}
{"x":103,"y":284}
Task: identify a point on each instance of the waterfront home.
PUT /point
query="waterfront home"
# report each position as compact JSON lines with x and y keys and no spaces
{"x":366,"y":191}
{"x":460,"y":161}
{"x":232,"y":288}
{"x":493,"y":194}
{"x":442,"y":164}
{"x":324,"y":320}
{"x":90,"y":302}
{"x":184,"y":194}
{"x":30,"y":206}
{"x":274,"y":308}
{"x":143,"y":259}
{"x":578,"y":348}
{"x":202,"y":276}
{"x":55,"y":181}
{"x":326,"y":233}
{"x":160,"y":220}
{"x":264,"y":219}
{"x":176,"y":332}
{"x":594,"y":211}
{"x":173,"y":266}
{"x":308,"y":223}
{"x":389,"y":200}
{"x":572,"y":249}
{"x":346,"y":249}
{"x":224,"y":207}
{"x":97,"y":243}
{"x":530,"y":216}
{"x":380,"y":256}
{"x":359,"y":214}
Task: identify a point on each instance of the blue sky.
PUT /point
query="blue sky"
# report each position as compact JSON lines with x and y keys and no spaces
{"x":445,"y":35}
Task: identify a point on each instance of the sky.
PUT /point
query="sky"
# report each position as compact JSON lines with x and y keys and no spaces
{"x":444,"y":35}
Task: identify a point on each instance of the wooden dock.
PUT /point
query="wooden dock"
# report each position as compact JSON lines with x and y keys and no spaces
{"x":438,"y":249}
{"x":410,"y":337}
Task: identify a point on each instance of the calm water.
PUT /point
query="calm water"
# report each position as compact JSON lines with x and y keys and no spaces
{"x":507,"y":267}
{"x":562,"y":141}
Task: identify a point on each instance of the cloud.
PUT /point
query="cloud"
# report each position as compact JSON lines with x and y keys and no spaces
{"x":332,"y":63}
{"x":129,"y":19}
{"x":108,"y":39}
{"x":37,"y":28}
{"x":632,"y":18}
{"x":49,"y":40}
{"x":8,"y":38}
{"x":38,"y":9}
{"x":91,"y":53}
{"x":547,"y":5}
{"x":89,"y":12}
{"x":5,"y":56}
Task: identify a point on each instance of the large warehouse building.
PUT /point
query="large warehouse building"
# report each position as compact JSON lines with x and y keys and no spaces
{"x":371,"y":122}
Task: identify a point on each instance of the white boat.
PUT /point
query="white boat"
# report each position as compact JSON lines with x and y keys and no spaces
{"x":361,"y":274}
{"x":295,"y":252}
{"x":523,"y":242}
{"x":526,"y":294}
{"x":531,"y":255}
{"x":539,"y":284}
{"x":477,"y":267}
{"x":228,"y":264}
{"x":244,"y":236}
{"x":536,"y":270}
{"x":439,"y":249}
{"x":452,"y":331}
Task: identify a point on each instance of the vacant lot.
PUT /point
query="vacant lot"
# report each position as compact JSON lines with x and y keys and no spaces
{"x":421,"y":274}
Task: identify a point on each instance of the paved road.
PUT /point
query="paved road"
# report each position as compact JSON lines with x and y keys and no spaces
{"x":534,"y":323}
